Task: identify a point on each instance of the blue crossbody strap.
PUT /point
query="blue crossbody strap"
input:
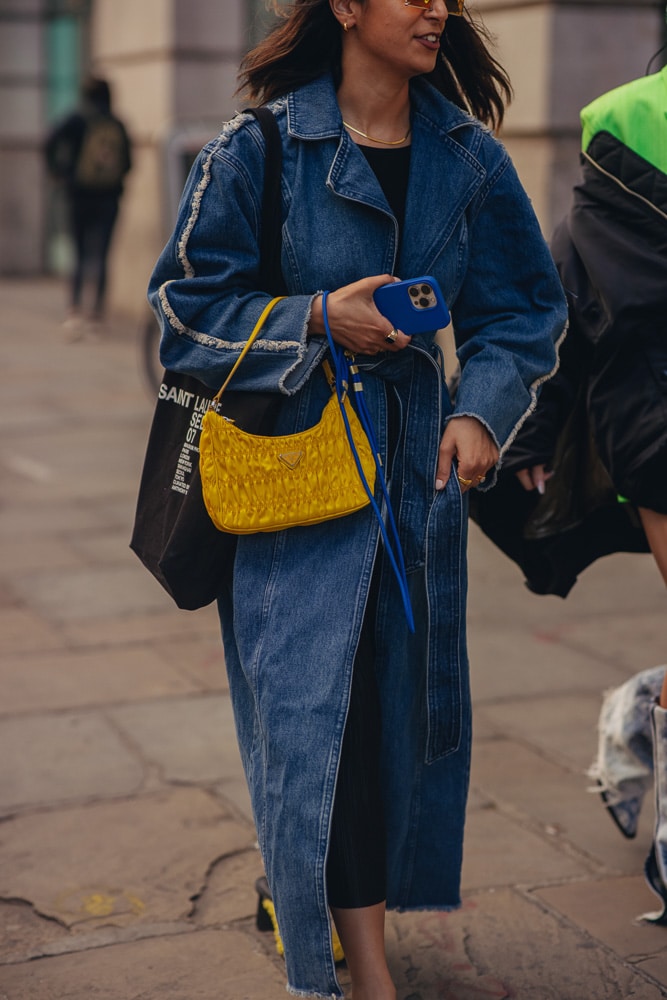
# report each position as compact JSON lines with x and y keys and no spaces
{"x":347,"y":373}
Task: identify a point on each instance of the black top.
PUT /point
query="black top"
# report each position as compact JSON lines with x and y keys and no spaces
{"x":391,"y":167}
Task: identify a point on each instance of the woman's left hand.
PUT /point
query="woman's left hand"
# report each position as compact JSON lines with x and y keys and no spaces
{"x":467,"y":440}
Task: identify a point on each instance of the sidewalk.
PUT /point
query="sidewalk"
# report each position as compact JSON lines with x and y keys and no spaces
{"x":127,"y":854}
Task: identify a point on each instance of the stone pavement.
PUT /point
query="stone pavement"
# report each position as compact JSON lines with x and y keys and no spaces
{"x":127,"y":855}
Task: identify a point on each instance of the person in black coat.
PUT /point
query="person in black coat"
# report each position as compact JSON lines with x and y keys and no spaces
{"x":587,"y":473}
{"x":592,"y":459}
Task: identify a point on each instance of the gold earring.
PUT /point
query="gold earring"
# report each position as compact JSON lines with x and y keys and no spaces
{"x":345,"y":26}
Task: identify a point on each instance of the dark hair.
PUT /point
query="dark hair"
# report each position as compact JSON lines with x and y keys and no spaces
{"x":97,"y":92}
{"x":308,"y":43}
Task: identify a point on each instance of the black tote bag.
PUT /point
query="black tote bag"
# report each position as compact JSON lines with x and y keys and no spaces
{"x":173,"y":535}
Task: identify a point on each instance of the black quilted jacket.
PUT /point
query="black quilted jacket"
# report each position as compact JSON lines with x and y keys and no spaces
{"x":601,"y":422}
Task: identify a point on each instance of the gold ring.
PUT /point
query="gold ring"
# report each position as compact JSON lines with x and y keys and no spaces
{"x":393,"y":336}
{"x":464,"y":482}
{"x":480,"y":479}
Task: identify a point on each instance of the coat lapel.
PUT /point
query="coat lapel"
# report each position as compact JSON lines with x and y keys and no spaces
{"x":444,"y":175}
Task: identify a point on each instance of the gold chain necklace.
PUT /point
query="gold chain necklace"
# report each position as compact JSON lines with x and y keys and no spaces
{"x":385,"y":142}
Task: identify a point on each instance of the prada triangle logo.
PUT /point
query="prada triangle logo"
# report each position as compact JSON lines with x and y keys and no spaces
{"x":291,"y":458}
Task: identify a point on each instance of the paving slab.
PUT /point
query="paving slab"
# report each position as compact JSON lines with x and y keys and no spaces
{"x":52,"y":759}
{"x":75,"y":940}
{"x":227,"y":896}
{"x":234,"y":791}
{"x":428,"y":957}
{"x":498,"y":595}
{"x":200,"y":660}
{"x":34,"y":682}
{"x":558,"y":801}
{"x":504,"y":945}
{"x":118,"y":630}
{"x":27,"y":521}
{"x":500,"y":851}
{"x":90,"y":460}
{"x":608,"y":908}
{"x":564,"y":727}
{"x":24,"y":555}
{"x":190,"y":739}
{"x":22,"y":631}
{"x":7,"y":598}
{"x":24,"y":932}
{"x":90,"y":593}
{"x":657,"y":968}
{"x":484,"y":728}
{"x":614,"y":638}
{"x":118,"y":510}
{"x":229,"y":893}
{"x":509,"y":661}
{"x":206,"y":965}
{"x":118,"y":864}
{"x":16,"y":418}
{"x":108,"y":547}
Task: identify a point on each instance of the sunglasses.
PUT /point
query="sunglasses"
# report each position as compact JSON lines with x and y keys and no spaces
{"x":454,"y":7}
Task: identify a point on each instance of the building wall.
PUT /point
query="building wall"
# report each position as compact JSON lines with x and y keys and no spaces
{"x":561,"y":55}
{"x":172,"y":65}
{"x":22,"y":200}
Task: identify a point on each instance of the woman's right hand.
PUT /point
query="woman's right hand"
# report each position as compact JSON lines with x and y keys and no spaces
{"x":534,"y":478}
{"x":354,"y":320}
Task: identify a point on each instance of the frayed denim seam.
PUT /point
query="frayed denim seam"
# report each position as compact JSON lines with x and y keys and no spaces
{"x":197,"y":197}
{"x":443,"y":908}
{"x":206,"y":340}
{"x":533,"y":395}
{"x":307,"y":993}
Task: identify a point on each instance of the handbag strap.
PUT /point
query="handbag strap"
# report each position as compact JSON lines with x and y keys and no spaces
{"x":270,"y":237}
{"x":346,"y":370}
{"x":248,"y":344}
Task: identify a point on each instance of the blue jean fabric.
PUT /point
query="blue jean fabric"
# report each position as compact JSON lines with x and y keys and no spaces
{"x":299,"y":596}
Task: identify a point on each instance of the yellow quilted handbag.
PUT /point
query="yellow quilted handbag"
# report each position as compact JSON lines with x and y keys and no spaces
{"x":256,"y":483}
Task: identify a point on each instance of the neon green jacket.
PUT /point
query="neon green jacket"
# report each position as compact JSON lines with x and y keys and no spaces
{"x":631,"y":114}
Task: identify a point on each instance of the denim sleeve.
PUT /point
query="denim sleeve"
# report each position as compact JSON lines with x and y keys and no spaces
{"x":510,"y":313}
{"x":204,"y":288}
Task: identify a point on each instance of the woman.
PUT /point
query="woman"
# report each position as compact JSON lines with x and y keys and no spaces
{"x":383,"y":175}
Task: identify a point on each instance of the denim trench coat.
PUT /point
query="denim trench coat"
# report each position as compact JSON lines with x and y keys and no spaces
{"x":291,"y":632}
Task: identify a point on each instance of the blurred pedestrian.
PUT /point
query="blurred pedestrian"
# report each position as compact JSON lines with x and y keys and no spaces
{"x":89,"y":151}
{"x":355,"y":726}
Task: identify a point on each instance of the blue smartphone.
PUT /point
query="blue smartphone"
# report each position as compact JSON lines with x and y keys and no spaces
{"x":413,"y":306}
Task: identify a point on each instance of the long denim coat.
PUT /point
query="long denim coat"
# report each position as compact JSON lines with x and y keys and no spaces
{"x":299,"y":596}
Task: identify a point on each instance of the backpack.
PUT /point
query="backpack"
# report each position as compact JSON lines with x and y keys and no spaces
{"x":102,"y":159}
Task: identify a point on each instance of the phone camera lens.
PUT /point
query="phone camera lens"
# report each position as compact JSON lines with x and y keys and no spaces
{"x":425,"y":289}
{"x":424,"y":302}
{"x":414,"y":291}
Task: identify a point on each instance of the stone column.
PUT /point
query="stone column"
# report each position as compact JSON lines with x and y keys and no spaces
{"x":22,"y":130}
{"x":561,"y":54}
{"x":172,"y":65}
